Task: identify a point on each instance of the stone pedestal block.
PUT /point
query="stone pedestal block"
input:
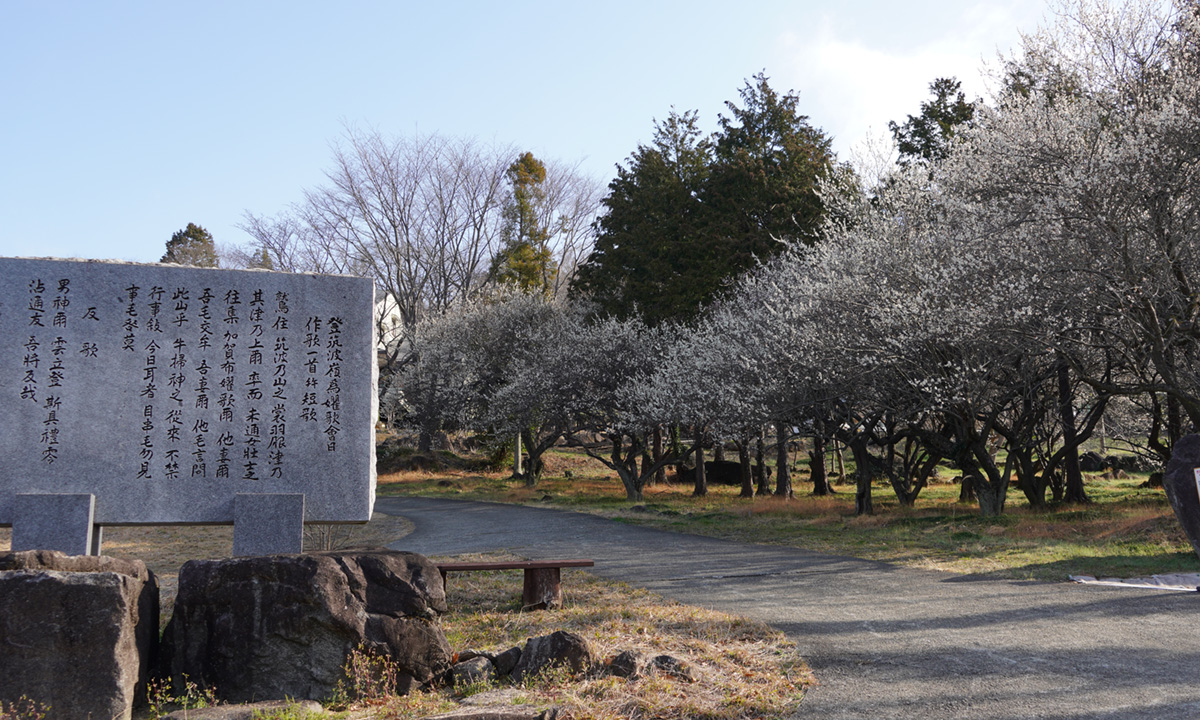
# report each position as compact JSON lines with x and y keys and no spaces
{"x":56,"y":521}
{"x":77,"y":633}
{"x":268,"y":524}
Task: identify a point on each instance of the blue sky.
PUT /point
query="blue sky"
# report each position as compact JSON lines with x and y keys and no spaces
{"x":121,"y":122}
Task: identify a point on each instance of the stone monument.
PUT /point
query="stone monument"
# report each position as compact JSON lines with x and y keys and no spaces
{"x":159,"y":394}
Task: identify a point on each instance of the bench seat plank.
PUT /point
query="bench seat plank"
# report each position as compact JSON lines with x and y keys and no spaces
{"x":542,"y":589}
{"x":513,"y":565}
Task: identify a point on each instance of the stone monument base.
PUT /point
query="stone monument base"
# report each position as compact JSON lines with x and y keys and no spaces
{"x":79,"y":633}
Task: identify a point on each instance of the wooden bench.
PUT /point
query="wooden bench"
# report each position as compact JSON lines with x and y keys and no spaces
{"x":542,"y":578}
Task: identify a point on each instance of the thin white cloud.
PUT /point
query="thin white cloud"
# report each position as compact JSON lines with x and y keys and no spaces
{"x":852,"y":89}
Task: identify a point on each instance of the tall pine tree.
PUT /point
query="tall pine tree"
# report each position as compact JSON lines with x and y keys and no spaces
{"x":647,"y":259}
{"x":191,"y":246}
{"x":763,"y":188}
{"x":688,"y":214}
{"x":926,"y":138}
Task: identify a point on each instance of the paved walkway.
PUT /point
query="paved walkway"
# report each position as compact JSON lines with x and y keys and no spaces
{"x":884,"y":642}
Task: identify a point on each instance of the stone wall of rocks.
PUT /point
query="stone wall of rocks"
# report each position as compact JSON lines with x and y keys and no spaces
{"x":561,"y":649}
{"x":80,"y":633}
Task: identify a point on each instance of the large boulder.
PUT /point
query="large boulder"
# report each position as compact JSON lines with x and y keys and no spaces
{"x":478,"y":670}
{"x":718,"y":472}
{"x":78,"y":633}
{"x":1131,"y":463}
{"x":631,"y":664}
{"x":283,"y":626}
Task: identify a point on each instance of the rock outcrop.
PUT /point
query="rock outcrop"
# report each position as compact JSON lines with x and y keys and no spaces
{"x":78,"y":633}
{"x":283,"y":626}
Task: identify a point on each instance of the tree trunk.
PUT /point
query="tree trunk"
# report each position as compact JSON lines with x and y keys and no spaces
{"x":783,"y":479}
{"x":534,"y":450}
{"x":625,"y":464}
{"x":1073,"y":477}
{"x":760,"y":458}
{"x":987,"y":500}
{"x":890,"y":453}
{"x":719,"y":451}
{"x":864,"y":504}
{"x":747,"y":477}
{"x":518,"y":465}
{"x":533,"y":464}
{"x":627,"y":471}
{"x":1174,"y":421}
{"x":991,"y":494}
{"x":990,"y":483}
{"x":841,"y":460}
{"x":925,"y":472}
{"x":648,"y":461}
{"x":1028,"y":480}
{"x":701,"y":487}
{"x":966,"y":490}
{"x":1155,"y":440}
{"x":660,"y":475}
{"x":1057,"y":492}
{"x":816,"y":467}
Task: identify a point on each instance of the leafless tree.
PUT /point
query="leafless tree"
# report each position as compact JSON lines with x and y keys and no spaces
{"x":571,"y":203}
{"x":421,"y":215}
{"x":418,"y":214}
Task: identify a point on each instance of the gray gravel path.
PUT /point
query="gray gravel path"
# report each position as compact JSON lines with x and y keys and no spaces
{"x":884,"y":642}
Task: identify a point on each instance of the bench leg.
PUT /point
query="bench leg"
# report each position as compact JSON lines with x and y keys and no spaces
{"x":543,"y":590}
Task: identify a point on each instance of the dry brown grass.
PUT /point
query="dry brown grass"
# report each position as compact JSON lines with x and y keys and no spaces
{"x":1147,"y":525}
{"x":746,"y":669}
{"x":813,"y":507}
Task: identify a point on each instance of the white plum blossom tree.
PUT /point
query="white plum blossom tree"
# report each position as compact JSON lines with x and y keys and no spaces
{"x":996,"y":298}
